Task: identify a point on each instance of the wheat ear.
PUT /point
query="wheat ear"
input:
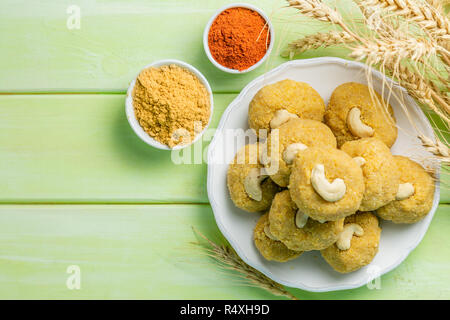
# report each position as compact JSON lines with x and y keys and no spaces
{"x":438,"y":149}
{"x":424,"y":14}
{"x":392,"y":48}
{"x":318,"y":40}
{"x":227,"y":259}
{"x":432,"y":20}
{"x":418,"y":87}
{"x":379,"y":50}
{"x":437,"y":4}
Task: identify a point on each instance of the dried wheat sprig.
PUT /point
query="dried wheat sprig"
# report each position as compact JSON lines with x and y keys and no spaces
{"x":378,"y":50}
{"x":407,"y":48}
{"x":436,"y":25}
{"x":318,"y":40}
{"x":418,"y":87}
{"x":390,"y":49}
{"x":390,"y":56}
{"x":227,"y":258}
{"x":438,"y":149}
{"x":430,"y":19}
{"x":391,"y":44}
{"x":425,"y":15}
{"x":437,"y":4}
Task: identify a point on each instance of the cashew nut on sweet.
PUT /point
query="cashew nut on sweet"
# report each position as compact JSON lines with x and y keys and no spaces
{"x":330,"y":192}
{"x":345,"y":237}
{"x":291,"y":151}
{"x":301,"y":219}
{"x":405,"y":190}
{"x":360,"y":161}
{"x":356,"y":126}
{"x":265,"y":160}
{"x":269,"y":234}
{"x":281,"y":116}
{"x":252,"y":183}
{"x":263,"y":156}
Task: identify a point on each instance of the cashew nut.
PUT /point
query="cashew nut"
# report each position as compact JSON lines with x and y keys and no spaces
{"x":269,"y":234}
{"x":263,"y":156}
{"x":346,"y":235}
{"x":291,"y":151}
{"x":330,"y":192}
{"x":405,"y":190}
{"x":252,"y":183}
{"x":356,"y":126}
{"x":265,"y":160}
{"x":300,"y":219}
{"x":360,"y":161}
{"x":281,"y":116}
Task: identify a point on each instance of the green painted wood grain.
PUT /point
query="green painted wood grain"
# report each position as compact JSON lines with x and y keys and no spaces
{"x":80,"y":148}
{"x":144,"y":252}
{"x":115,"y":40}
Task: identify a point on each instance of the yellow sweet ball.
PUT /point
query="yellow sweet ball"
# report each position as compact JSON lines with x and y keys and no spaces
{"x":416,"y":206}
{"x":271,"y":249}
{"x":353,"y":114}
{"x":363,"y":247}
{"x":297,"y":98}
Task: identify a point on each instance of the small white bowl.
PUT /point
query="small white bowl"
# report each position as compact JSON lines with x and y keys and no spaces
{"x":129,"y":109}
{"x":208,"y":26}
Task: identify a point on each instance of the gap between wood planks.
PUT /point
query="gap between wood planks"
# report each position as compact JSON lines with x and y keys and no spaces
{"x":47,"y":93}
{"x":125,"y":203}
{"x":52,"y":203}
{"x":86,"y":92}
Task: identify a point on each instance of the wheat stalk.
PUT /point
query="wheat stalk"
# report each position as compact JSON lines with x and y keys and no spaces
{"x":387,"y":55}
{"x":424,"y":14}
{"x":438,"y":148}
{"x":318,"y":40}
{"x":438,"y":5}
{"x":380,"y":50}
{"x":391,"y":47}
{"x":227,"y":259}
{"x":419,"y":88}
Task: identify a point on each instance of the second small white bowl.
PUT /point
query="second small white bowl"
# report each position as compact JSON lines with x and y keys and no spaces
{"x":134,"y":123}
{"x":210,"y":22}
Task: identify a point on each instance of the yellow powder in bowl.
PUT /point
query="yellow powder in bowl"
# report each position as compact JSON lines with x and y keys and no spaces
{"x":171,"y":104}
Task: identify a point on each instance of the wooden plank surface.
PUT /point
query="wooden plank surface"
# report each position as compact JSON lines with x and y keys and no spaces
{"x":144,"y":252}
{"x":115,"y":40}
{"x":80,"y":148}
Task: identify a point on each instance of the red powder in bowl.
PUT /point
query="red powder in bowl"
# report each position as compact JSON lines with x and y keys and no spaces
{"x":238,"y":38}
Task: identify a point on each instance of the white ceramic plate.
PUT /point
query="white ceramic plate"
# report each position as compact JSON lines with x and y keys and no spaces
{"x":309,"y":271}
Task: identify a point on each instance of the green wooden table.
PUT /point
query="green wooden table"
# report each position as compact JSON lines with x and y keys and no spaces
{"x":78,"y":188}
